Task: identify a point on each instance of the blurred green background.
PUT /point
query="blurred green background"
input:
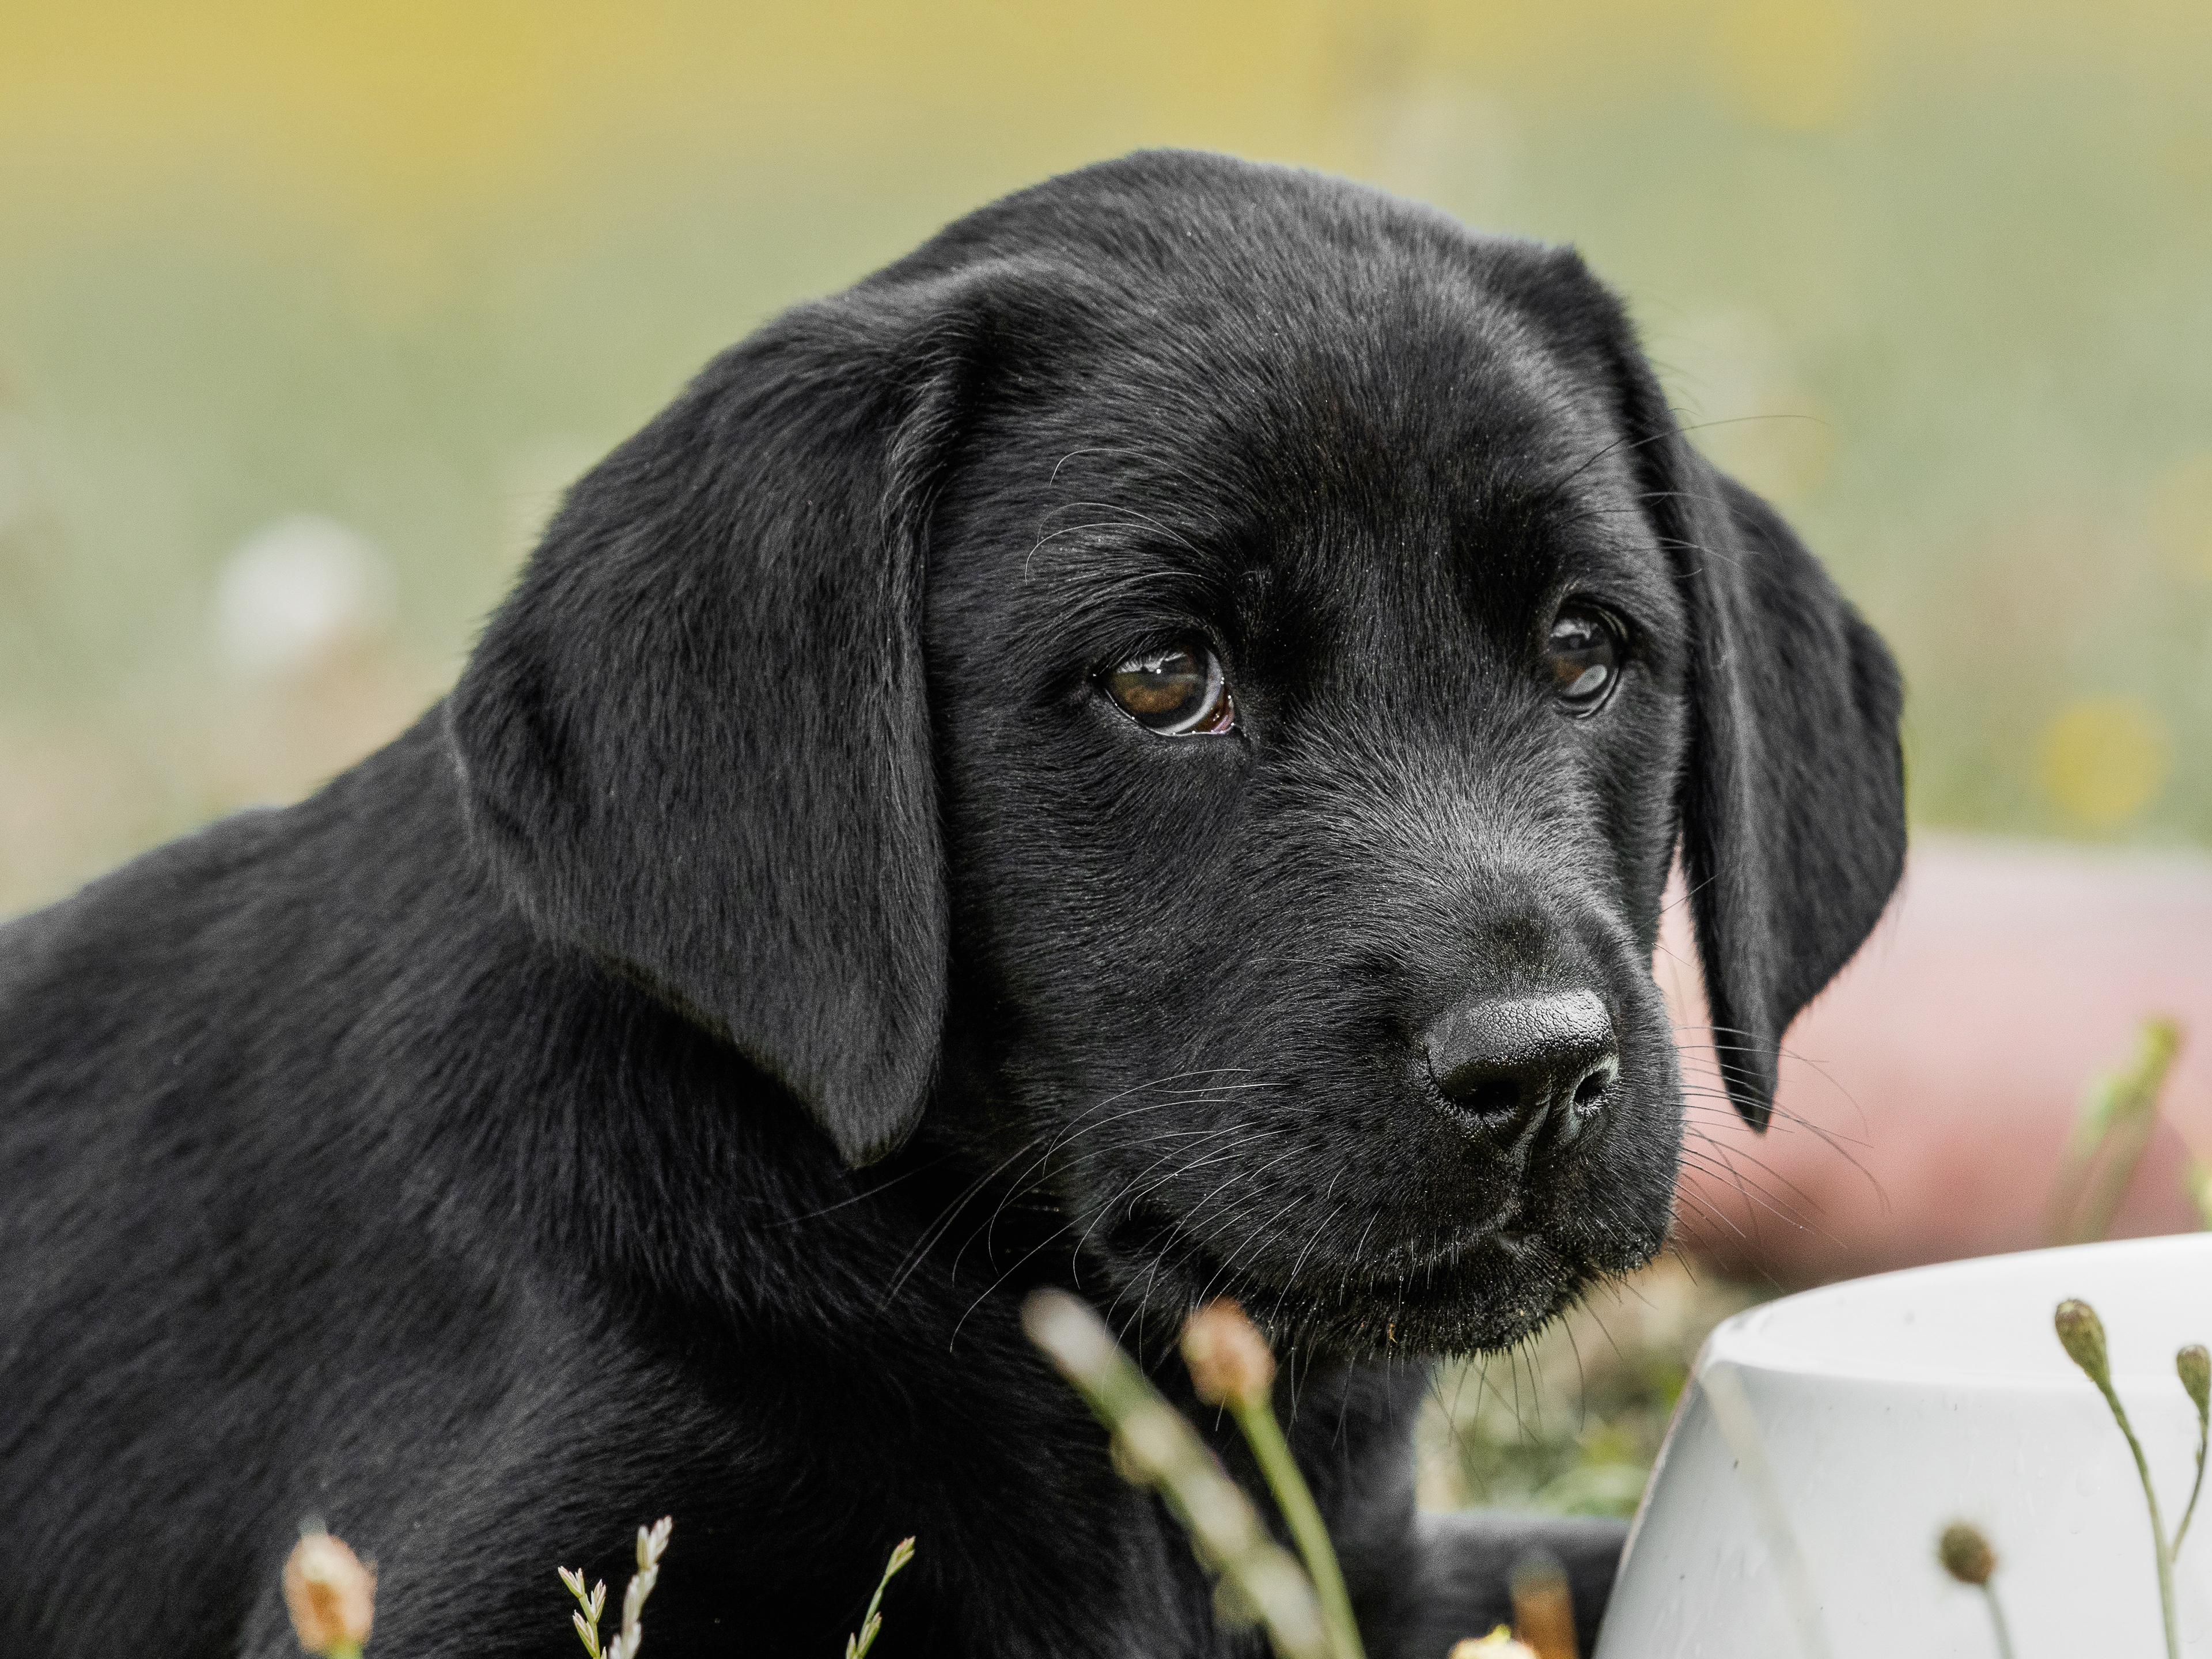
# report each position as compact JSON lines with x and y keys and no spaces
{"x":307,"y":311}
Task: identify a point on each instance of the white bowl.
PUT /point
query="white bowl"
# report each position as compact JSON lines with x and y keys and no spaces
{"x":1846,"y":1427}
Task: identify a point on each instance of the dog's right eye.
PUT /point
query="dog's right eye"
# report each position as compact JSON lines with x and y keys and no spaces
{"x":1178,"y":692}
{"x":1585,"y":658}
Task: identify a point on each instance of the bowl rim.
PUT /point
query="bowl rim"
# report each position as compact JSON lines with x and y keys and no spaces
{"x":1758,"y":1339}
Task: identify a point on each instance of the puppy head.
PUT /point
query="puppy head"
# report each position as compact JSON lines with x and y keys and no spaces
{"x":1212,"y":667}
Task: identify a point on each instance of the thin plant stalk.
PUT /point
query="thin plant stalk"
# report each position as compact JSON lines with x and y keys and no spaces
{"x":2082,"y":1333}
{"x":2181,"y":1531}
{"x":2118,"y":1115}
{"x":857,"y":1645}
{"x":1232,"y":1366}
{"x":1965,"y":1554}
{"x":2157,"y":1523}
{"x":2193,"y":1365}
{"x":1732,"y":1414}
{"x":1156,"y":1447}
{"x":1256,"y":1418}
{"x":1543,"y":1607}
{"x":1997,"y":1622}
{"x":2196,"y":1182}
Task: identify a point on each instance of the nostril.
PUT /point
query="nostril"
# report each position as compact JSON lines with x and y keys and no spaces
{"x":1590,"y":1092}
{"x":1494,"y":1097}
{"x":1496,"y":1061}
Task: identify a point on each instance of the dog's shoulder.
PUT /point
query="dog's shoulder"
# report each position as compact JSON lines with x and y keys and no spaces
{"x":252,"y":915}
{"x":136,"y":910}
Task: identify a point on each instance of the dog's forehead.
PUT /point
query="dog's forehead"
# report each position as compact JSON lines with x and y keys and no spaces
{"x":1345,"y":439}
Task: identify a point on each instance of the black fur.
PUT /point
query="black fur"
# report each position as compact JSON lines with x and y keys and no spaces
{"x":650,"y":1085}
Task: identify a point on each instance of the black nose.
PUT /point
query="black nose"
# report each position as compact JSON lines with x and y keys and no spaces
{"x":1512,"y":1062}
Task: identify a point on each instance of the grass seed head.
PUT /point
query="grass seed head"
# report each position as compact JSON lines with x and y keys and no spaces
{"x":331,"y":1595}
{"x":2082,"y":1333}
{"x":1230,"y":1363}
{"x":1965,"y":1554}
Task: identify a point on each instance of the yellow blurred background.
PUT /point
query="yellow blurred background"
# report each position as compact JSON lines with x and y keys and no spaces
{"x":308,"y":310}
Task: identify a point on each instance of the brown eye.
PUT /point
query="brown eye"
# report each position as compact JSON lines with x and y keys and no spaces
{"x":1178,"y":692}
{"x":1583,"y":656}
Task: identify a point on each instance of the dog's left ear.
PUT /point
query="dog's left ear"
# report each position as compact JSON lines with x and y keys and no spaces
{"x":1793,"y":809}
{"x":694,"y":740}
{"x":1793,"y":802}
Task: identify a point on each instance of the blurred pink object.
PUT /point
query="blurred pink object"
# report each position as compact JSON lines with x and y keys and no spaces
{"x":1925,"y":1096}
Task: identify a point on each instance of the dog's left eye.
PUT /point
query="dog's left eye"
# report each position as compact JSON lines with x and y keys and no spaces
{"x":1583,"y":654}
{"x":1178,"y":692}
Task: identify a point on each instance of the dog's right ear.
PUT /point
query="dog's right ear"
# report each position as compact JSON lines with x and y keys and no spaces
{"x":694,"y":740}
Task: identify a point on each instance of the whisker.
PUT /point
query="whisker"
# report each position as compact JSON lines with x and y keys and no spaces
{"x":935,"y":1232}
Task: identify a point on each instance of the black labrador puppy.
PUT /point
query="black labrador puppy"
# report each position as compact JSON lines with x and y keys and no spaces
{"x":1137,"y":749}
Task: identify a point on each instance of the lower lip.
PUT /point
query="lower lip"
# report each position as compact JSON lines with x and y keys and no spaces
{"x":1140,"y":1235}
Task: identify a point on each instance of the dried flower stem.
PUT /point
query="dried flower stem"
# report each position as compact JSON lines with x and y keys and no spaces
{"x":1966,"y":1556}
{"x":2082,"y":1333}
{"x":1157,"y":1447}
{"x":857,"y":1645}
{"x":1543,"y":1608}
{"x":1230,"y":1365}
{"x":1997,"y":1621}
{"x":1722,"y":1387}
{"x":2118,"y":1115}
{"x":2182,"y":1531}
{"x":2194,"y":1366}
{"x":2196,"y":1182}
{"x":1265,"y":1436}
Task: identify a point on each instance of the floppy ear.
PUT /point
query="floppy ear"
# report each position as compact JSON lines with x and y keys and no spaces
{"x":695,"y":741}
{"x":1793,"y":798}
{"x":1793,"y":808}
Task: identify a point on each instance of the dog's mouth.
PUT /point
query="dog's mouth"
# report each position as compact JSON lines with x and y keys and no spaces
{"x":1484,"y":1290}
